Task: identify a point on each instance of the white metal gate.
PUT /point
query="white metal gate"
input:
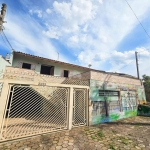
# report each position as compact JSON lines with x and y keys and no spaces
{"x":79,"y":107}
{"x":34,"y":109}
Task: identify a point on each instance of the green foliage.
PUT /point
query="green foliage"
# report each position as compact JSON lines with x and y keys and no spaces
{"x":146,"y":83}
{"x":111,"y":147}
{"x":100,"y":134}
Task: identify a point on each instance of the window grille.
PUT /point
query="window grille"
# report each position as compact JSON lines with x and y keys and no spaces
{"x":108,"y":93}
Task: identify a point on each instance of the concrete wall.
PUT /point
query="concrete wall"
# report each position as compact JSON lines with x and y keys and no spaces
{"x":3,"y":63}
{"x":131,"y":93}
{"x":58,"y":70}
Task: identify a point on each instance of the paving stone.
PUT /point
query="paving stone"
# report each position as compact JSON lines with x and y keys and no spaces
{"x":65,"y":142}
{"x":70,"y":143}
{"x":137,"y":147}
{"x":27,"y":148}
{"x":75,"y":148}
{"x":130,"y":134}
{"x":58,"y":147}
{"x":64,"y":149}
{"x":141,"y":145}
{"x":64,"y":145}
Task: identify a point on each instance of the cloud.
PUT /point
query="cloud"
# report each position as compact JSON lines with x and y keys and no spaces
{"x":74,"y":13}
{"x":29,"y":38}
{"x":125,"y":61}
{"x":48,"y":10}
{"x":103,"y":28}
{"x":38,"y":12}
{"x":100,"y":1}
{"x":89,"y":30}
{"x":52,"y":32}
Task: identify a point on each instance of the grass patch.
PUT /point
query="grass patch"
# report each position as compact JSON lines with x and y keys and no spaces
{"x":114,"y":131}
{"x":111,"y":147}
{"x":93,"y":137}
{"x":124,"y":141}
{"x":100,"y":134}
{"x":130,"y":134}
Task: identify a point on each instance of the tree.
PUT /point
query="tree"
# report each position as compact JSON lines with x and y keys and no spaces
{"x":146,"y":83}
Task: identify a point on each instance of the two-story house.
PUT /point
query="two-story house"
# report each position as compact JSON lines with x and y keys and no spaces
{"x":39,"y":95}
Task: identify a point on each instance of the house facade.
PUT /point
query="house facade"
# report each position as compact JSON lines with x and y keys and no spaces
{"x":40,"y":95}
{"x":46,"y":66}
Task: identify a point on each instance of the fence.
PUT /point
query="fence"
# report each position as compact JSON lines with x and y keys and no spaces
{"x":34,"y":109}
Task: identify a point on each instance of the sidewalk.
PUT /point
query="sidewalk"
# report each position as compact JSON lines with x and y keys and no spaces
{"x":132,"y":133}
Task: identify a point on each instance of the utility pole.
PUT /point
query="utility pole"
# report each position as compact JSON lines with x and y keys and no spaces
{"x":2,"y":15}
{"x":137,"y":65}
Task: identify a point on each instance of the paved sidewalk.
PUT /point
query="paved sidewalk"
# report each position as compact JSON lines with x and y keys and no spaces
{"x":132,"y":133}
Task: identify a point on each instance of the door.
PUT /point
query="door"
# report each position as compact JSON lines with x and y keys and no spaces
{"x":79,"y":107}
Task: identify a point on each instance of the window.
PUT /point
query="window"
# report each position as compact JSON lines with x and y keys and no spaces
{"x":66,"y":73}
{"x":47,"y":70}
{"x":108,"y":93}
{"x":26,"y":66}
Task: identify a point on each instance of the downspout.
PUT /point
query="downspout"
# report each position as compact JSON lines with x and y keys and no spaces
{"x":105,"y":98}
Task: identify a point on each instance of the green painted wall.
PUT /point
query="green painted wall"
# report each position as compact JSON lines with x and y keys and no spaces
{"x":122,"y":106}
{"x":57,"y":70}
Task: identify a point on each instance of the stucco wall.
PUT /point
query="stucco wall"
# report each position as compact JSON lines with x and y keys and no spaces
{"x":3,"y":63}
{"x":57,"y":70}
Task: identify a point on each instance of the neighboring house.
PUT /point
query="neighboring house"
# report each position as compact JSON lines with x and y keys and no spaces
{"x":46,"y":66}
{"x":3,"y":63}
{"x":45,"y":95}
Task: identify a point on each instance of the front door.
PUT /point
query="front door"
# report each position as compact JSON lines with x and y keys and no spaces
{"x":79,"y":107}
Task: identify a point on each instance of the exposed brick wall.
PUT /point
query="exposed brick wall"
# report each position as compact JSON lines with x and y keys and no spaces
{"x":114,"y":78}
{"x":82,"y":76}
{"x":31,"y":75}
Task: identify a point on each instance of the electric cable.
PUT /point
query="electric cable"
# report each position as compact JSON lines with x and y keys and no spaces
{"x":126,"y":65}
{"x":4,"y":41}
{"x":7,"y":39}
{"x":137,"y":18}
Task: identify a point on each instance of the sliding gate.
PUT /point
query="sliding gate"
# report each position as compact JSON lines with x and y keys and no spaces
{"x":34,"y":110}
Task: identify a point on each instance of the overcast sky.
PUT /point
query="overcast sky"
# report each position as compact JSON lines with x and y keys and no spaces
{"x":103,"y":33}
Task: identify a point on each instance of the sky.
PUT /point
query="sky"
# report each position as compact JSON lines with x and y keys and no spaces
{"x":103,"y":33}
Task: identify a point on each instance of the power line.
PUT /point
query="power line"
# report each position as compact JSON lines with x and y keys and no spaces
{"x":126,"y":65}
{"x":137,"y":19}
{"x":7,"y":39}
{"x":4,"y":40}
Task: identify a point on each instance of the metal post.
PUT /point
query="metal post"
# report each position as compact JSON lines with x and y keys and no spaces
{"x":105,"y":99}
{"x":58,"y":56}
{"x":70,"y":108}
{"x":137,"y":65}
